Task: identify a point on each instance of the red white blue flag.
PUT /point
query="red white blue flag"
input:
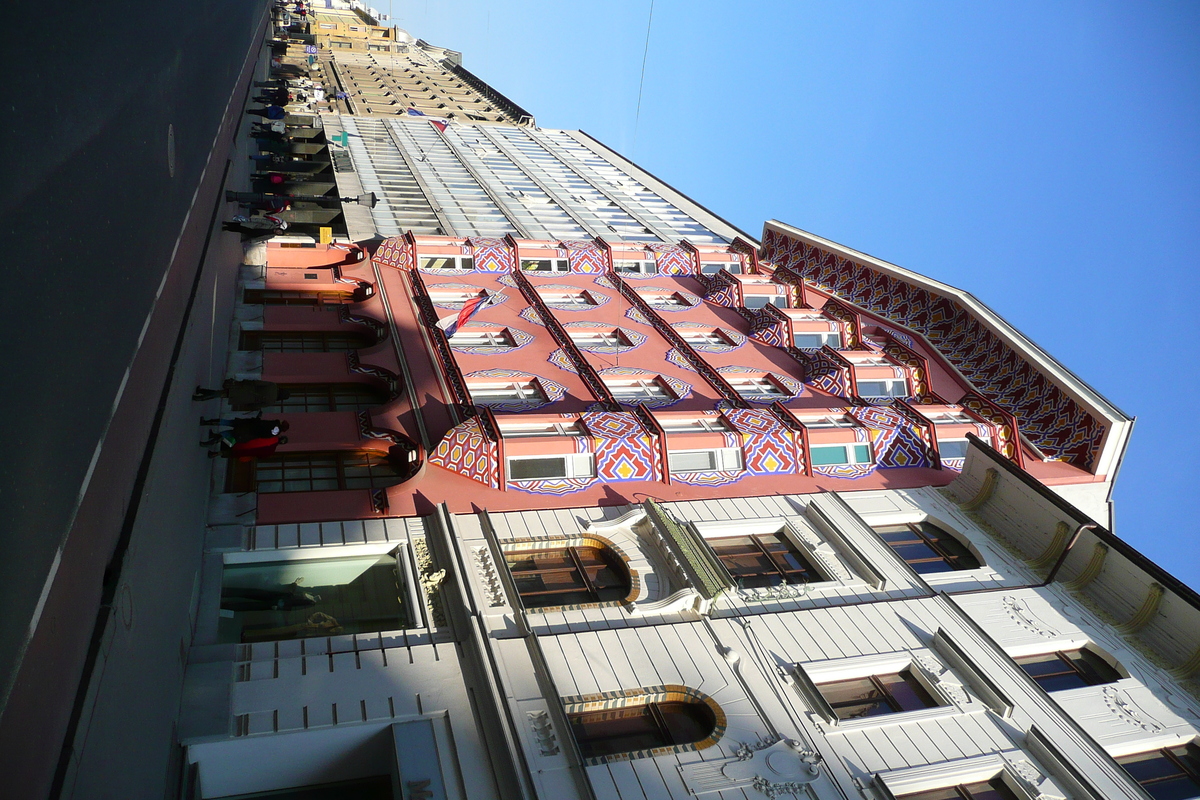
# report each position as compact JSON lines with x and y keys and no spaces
{"x":470,"y":308}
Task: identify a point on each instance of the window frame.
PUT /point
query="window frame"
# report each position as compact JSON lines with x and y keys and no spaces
{"x":494,"y":338}
{"x":738,"y":380}
{"x":666,"y":738}
{"x":573,"y":464}
{"x":831,"y":338}
{"x":907,"y":676}
{"x":641,"y":266}
{"x":335,"y":395}
{"x":278,"y":461}
{"x":579,"y":336}
{"x":305,"y":341}
{"x":527,"y":430}
{"x":458,"y":259}
{"x":627,"y":382}
{"x":582,"y":298}
{"x":725,"y":459}
{"x":945,"y":558}
{"x":890,"y":383}
{"x":554,"y":263}
{"x":1191,"y":773}
{"x":607,"y":555}
{"x":1070,"y":668}
{"x":848,"y":448}
{"x":695,"y":425}
{"x":829,"y":422}
{"x":794,"y":548}
{"x":664,"y":299}
{"x":714,"y":337}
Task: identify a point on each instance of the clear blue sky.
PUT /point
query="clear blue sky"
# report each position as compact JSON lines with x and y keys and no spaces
{"x":1043,"y":156}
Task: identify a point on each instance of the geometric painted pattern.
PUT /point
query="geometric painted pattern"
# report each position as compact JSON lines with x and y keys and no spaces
{"x":827,"y":374}
{"x":552,"y":486}
{"x":723,"y":291}
{"x":769,"y":447}
{"x":530,"y":314}
{"x":845,"y":470}
{"x":897,"y":441}
{"x":636,"y":315}
{"x":625,"y":450}
{"x":602,"y":280}
{"x":492,"y":255}
{"x":394,"y":252}
{"x":772,"y":327}
{"x":1003,"y":433}
{"x":671,"y":259}
{"x":560,"y":359}
{"x":722,"y":478}
{"x":734,"y":338}
{"x":678,"y":389}
{"x":553,"y":391}
{"x":1052,"y":420}
{"x":586,"y":257}
{"x":679,"y":360}
{"x":466,"y":450}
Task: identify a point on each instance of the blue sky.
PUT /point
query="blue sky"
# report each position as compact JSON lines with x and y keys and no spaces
{"x":1043,"y":156}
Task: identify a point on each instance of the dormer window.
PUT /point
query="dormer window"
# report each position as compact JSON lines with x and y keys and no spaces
{"x":728,"y":459}
{"x":885,"y":387}
{"x":545,"y":265}
{"x":927,"y":548}
{"x":1071,"y":669}
{"x":713,"y":267}
{"x":703,"y":338}
{"x":664,"y":299}
{"x":767,"y":295}
{"x":446,"y":262}
{"x":815,"y":340}
{"x":487,"y":392}
{"x":829,"y":455}
{"x":828,"y":421}
{"x":756,"y":388}
{"x":567,"y":298}
{"x":522,"y":430}
{"x":610,"y":337}
{"x":498,"y":338}
{"x":635,"y":267}
{"x":694,"y":425}
{"x":631,"y":390}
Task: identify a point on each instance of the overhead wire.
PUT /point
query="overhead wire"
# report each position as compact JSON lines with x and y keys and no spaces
{"x":642,"y":78}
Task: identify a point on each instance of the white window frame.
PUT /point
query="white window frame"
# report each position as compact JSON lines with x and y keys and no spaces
{"x":505,"y":391}
{"x":713,"y":267}
{"x":779,"y":300}
{"x":890,"y":382}
{"x":454,"y":297}
{"x":831,"y":338}
{"x":749,"y":386}
{"x":966,"y":445}
{"x":829,"y":421}
{"x":552,"y":264}
{"x":849,"y":449}
{"x":632,"y":389}
{"x":722,"y":459}
{"x":458,"y":260}
{"x":631,"y":266}
{"x":525,"y":430}
{"x":870,"y":361}
{"x":708,"y":338}
{"x":664,"y":299}
{"x":949,"y":417}
{"x":694,"y":425}
{"x":599,"y":337}
{"x":574,"y":465}
{"x":499,"y":338}
{"x":580,"y":298}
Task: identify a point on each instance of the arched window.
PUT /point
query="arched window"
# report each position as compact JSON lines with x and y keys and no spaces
{"x":1068,"y":669}
{"x":646,"y":726}
{"x":303,"y":341}
{"x":328,"y":397}
{"x":572,"y":575}
{"x":316,"y":472}
{"x":927,"y":548}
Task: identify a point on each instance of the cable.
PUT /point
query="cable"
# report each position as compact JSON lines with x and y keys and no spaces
{"x":642,"y":78}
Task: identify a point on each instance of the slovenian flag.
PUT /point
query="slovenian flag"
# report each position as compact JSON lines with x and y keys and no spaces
{"x":470,"y":308}
{"x":412,"y":112}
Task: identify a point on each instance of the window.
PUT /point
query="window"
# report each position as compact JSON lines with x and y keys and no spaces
{"x":694,"y":425}
{"x":476,"y":337}
{"x":721,"y":458}
{"x":295,"y":297}
{"x":1172,"y":773}
{"x":712,"y":338}
{"x":546,"y":264}
{"x":519,"y":430}
{"x":887,"y":387}
{"x":599,"y":338}
{"x":927,"y":548}
{"x":567,"y":298}
{"x":869,"y":361}
{"x":642,"y":727}
{"x":308,"y":397}
{"x":827,"y":455}
{"x":483,"y":393}
{"x":446,"y":262}
{"x":776,"y":296}
{"x":756,"y":387}
{"x":319,"y":472}
{"x":1069,"y":669}
{"x":828,"y":421}
{"x":875,"y":695}
{"x":948,"y":417}
{"x":528,"y":468}
{"x":452,"y":298}
{"x":302,"y":341}
{"x":815,"y":340}
{"x":995,"y":789}
{"x":329,"y":25}
{"x":713,"y":267}
{"x":953,"y":448}
{"x":635,"y":267}
{"x":764,"y":560}
{"x":299,"y":598}
{"x":632,"y":389}
{"x":341,"y":44}
{"x":568,"y":576}
{"x":661,"y":299}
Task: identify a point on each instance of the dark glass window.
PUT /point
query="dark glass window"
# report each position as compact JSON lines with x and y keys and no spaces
{"x":643,"y":727}
{"x":764,"y":560}
{"x":305,"y":397}
{"x":302,"y":341}
{"x":995,"y":789}
{"x":568,"y":576}
{"x":316,"y":472}
{"x":875,"y":695}
{"x":295,"y":297}
{"x":1068,"y":670}
{"x":1172,"y":773}
{"x":927,"y":548}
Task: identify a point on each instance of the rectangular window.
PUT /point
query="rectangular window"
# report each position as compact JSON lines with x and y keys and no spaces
{"x":663,"y":299}
{"x":1172,"y":773}
{"x":1069,"y":669}
{"x":721,"y":458}
{"x":713,"y":267}
{"x":764,"y":560}
{"x":695,"y":425}
{"x":875,"y":695}
{"x":598,"y":338}
{"x":567,"y":298}
{"x":446,"y":262}
{"x":301,"y":342}
{"x":757,"y":388}
{"x":995,"y":789}
{"x":295,"y":297}
{"x":329,"y":26}
{"x":319,"y":472}
{"x":568,"y":576}
{"x":545,"y":265}
{"x":475,"y":337}
{"x":641,"y":727}
{"x":528,"y":468}
{"x":927,"y":548}
{"x":869,"y":361}
{"x":636,"y":267}
{"x":484,"y":393}
{"x":948,"y":417}
{"x":299,"y":598}
{"x":310,"y":397}
{"x":829,"y":421}
{"x":815,"y":340}
{"x":451,"y":298}
{"x":637,"y":389}
{"x":696,"y":336}
{"x":888,"y":387}
{"x":827,"y":455}
{"x":522,"y":430}
{"x":953,"y":448}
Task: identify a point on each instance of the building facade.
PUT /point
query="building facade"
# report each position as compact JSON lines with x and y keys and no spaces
{"x":589,"y":494}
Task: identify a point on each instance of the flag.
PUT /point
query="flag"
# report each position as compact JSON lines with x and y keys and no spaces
{"x":440,"y":124}
{"x":412,"y":112}
{"x":450,"y":325}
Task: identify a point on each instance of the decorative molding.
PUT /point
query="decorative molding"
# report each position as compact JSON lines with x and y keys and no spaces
{"x":543,"y":732}
{"x":1123,"y":708}
{"x":1142,"y":617}
{"x":485,"y":568}
{"x":1090,"y":572}
{"x":1019,"y":613}
{"x":1061,"y":531}
{"x":985,"y":491}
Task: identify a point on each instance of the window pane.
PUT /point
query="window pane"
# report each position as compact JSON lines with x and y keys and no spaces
{"x":533,"y":468}
{"x":955,"y":448}
{"x":825,"y":455}
{"x":697,"y":461}
{"x":907,"y":691}
{"x":618,"y":730}
{"x":855,"y":699}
